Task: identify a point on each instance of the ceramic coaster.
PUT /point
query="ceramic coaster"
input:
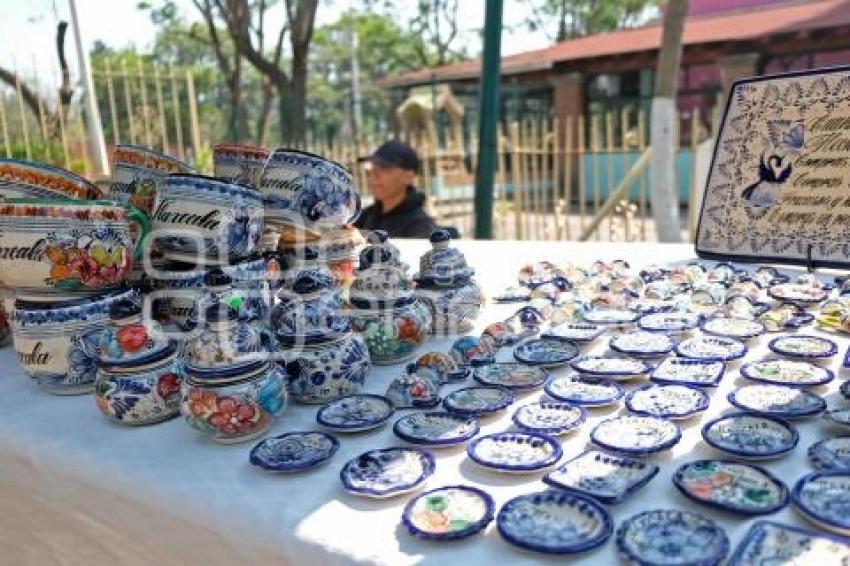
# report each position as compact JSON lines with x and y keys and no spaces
{"x":575,"y":332}
{"x":750,"y":436}
{"x":797,"y":293}
{"x":605,"y":477}
{"x":838,"y":416}
{"x":511,"y":376}
{"x":355,"y":413}
{"x":711,"y":349}
{"x":387,"y":472}
{"x":777,"y":401}
{"x":642,"y":344}
{"x":647,"y":305}
{"x":609,"y":367}
{"x":785,"y":316}
{"x":549,"y":418}
{"x":731,"y":486}
{"x":738,"y":328}
{"x":773,"y":543}
{"x":436,"y":428}
{"x":787,"y":372}
{"x":294,"y":451}
{"x":609,"y":316}
{"x":514,"y":452}
{"x":554,"y":522}
{"x":586,"y":391}
{"x":669,"y":321}
{"x":667,"y":401}
{"x":477,"y":400}
{"x":448,"y":513}
{"x":636,"y":435}
{"x":671,"y":536}
{"x":824,"y":500}
{"x":683,"y":371}
{"x":545,"y":352}
{"x":803,"y":347}
{"x":831,"y":454}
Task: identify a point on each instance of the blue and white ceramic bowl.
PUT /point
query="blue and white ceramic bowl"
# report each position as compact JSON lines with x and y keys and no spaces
{"x":355,"y":413}
{"x":585,"y":391}
{"x":549,"y":418}
{"x":636,"y":435}
{"x":610,"y":367}
{"x":671,"y":536}
{"x":474,"y":401}
{"x":731,"y":486}
{"x":711,"y":348}
{"x":545,"y":352}
{"x":675,"y":322}
{"x":684,"y":371}
{"x":387,"y":472}
{"x":751,"y":436}
{"x":575,"y":331}
{"x":793,"y":373}
{"x":555,"y":522}
{"x":830,"y":454}
{"x":777,"y":400}
{"x":294,"y":451}
{"x":450,"y":512}
{"x":667,"y":401}
{"x":642,"y":344}
{"x":436,"y":428}
{"x":738,"y":328}
{"x":605,"y":477}
{"x":514,"y":452}
{"x":824,"y":500}
{"x":767,"y":542}
{"x":803,"y":347}
{"x":510,"y":375}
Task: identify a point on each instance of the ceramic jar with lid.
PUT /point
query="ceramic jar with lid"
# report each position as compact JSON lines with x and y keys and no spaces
{"x":225,"y":342}
{"x":445,"y":284}
{"x":336,"y":249}
{"x":309,"y":309}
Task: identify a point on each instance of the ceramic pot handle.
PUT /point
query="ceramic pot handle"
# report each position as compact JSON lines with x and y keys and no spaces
{"x":357,"y":208}
{"x":144,"y":222}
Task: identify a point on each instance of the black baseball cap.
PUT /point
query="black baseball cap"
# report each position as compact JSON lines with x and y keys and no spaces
{"x":394,"y":153}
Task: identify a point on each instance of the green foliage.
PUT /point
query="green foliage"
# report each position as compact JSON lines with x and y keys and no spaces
{"x":564,"y":19}
{"x":46,"y":152}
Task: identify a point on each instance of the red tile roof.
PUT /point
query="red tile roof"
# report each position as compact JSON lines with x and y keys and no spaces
{"x":728,"y":26}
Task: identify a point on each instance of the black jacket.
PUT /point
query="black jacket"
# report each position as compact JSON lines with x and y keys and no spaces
{"x":407,"y":220}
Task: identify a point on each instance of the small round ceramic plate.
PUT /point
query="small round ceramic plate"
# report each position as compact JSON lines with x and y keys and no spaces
{"x":478,"y":400}
{"x":824,"y":499}
{"x":803,"y":347}
{"x":667,"y":401}
{"x":671,"y":537}
{"x":750,"y":436}
{"x":777,"y":401}
{"x":514,"y":452}
{"x":605,"y":477}
{"x":549,"y":418}
{"x":510,"y":375}
{"x":586,"y":391}
{"x":646,"y":305}
{"x":682,"y":371}
{"x":575,"y":332}
{"x":435,"y":428}
{"x":448,"y":513}
{"x":768,"y":543}
{"x":387,"y":472}
{"x":738,"y":328}
{"x":787,"y":372}
{"x":294,"y":451}
{"x":797,"y":293}
{"x":711,"y":348}
{"x":831,"y":454}
{"x":609,"y":367}
{"x":642,"y":344}
{"x":669,"y":321}
{"x":636,"y":435}
{"x":356,"y":413}
{"x":545,"y":352}
{"x":838,"y":416}
{"x":609,"y":316}
{"x":556,"y":522}
{"x":731,"y":486}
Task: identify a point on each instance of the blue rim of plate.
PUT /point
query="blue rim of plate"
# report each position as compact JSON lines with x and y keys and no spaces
{"x":561,"y":497}
{"x":691,"y":362}
{"x":598,"y":331}
{"x":506,"y":400}
{"x":805,"y":510}
{"x":608,"y":323}
{"x":828,"y":416}
{"x":666,"y":445}
{"x":844,"y":390}
{"x":784,"y":499}
{"x":795,"y":435}
{"x":544,"y":375}
{"x":817,"y":461}
{"x":771,"y":292}
{"x":684,"y":327}
{"x":570,"y":352}
{"x":702,"y":404}
{"x":257,"y":461}
{"x":757,"y":530}
{"x":442,"y":442}
{"x":363,"y":426}
{"x":749,"y":336}
{"x":618,"y":390}
{"x":831,"y":351}
{"x":631,"y":462}
{"x":474,"y":528}
{"x":732,"y":397}
{"x":429,"y":464}
{"x":538,"y":465}
{"x":726,"y":358}
{"x":845,"y":363}
{"x":550,"y":430}
{"x":643,"y":309}
{"x":638,"y":352}
{"x":720,"y":552}
{"x":745,"y":372}
{"x":575,"y":363}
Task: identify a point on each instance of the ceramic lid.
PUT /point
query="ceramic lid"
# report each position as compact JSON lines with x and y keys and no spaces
{"x":381,"y":285}
{"x":443,"y":266}
{"x":380,"y":251}
{"x":128,"y":342}
{"x":310,"y":310}
{"x":217,"y":280}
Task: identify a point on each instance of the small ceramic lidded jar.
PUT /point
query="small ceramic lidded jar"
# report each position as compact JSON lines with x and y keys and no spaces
{"x":140,"y":371}
{"x":225,"y":342}
{"x":384,"y":308}
{"x":445,"y":284}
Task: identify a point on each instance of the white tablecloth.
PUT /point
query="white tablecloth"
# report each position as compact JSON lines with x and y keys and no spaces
{"x":76,"y":489}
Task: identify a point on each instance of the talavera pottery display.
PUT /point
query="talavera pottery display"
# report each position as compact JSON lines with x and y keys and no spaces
{"x":792,"y":373}
{"x":824,"y":500}
{"x":239,"y":163}
{"x":514,"y":452}
{"x":355,"y":413}
{"x":225,"y":342}
{"x":731,"y":486}
{"x":751,"y":436}
{"x":137,"y":173}
{"x":605,"y":477}
{"x":767,"y":542}
{"x":27,"y":179}
{"x":671,"y":536}
{"x":57,"y":343}
{"x":436,"y":429}
{"x":387,"y":472}
{"x":417,"y":387}
{"x":337,"y":249}
{"x":294,"y":451}
{"x":472,"y":401}
{"x":447,"y":513}
{"x":510,"y":375}
{"x":178,"y":288}
{"x":55,"y":249}
{"x":309,"y":309}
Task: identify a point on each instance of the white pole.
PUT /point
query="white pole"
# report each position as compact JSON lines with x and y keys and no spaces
{"x":97,"y":143}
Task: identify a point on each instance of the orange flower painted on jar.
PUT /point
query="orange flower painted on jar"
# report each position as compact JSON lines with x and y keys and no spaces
{"x":233,"y":417}
{"x":202,"y":403}
{"x":408,"y":330}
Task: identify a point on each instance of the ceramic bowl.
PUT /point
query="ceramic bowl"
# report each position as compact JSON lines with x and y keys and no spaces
{"x":510,"y":375}
{"x":767,"y":541}
{"x":549,"y":418}
{"x":203,"y":220}
{"x":824,"y":500}
{"x":137,"y":173}
{"x":751,"y":436}
{"x":803,"y":347}
{"x":585,"y":391}
{"x":225,"y":342}
{"x":684,"y":371}
{"x":387,"y":472}
{"x":777,"y":401}
{"x":450,"y":512}
{"x":453,"y":309}
{"x":671,"y":536}
{"x":575,"y":331}
{"x":355,"y":413}
{"x":667,"y":401}
{"x":239,"y":163}
{"x":636,"y":435}
{"x":393,"y":334}
{"x":545,"y":352}
{"x":294,"y":451}
{"x":711,"y":348}
{"x":514,"y":452}
{"x":27,"y":179}
{"x":58,"y":249}
{"x":476,"y":401}
{"x":792,"y":373}
{"x":436,"y":428}
{"x":605,"y":477}
{"x":57,"y":343}
{"x":642,"y":344}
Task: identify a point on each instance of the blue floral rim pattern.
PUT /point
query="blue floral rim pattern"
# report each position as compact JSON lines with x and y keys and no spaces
{"x":828,"y":376}
{"x":214,"y":185}
{"x":816,"y":402}
{"x":505,"y":400}
{"x":656,"y":378}
{"x":801,"y":505}
{"x":742,"y":351}
{"x":617,"y":392}
{"x":474,"y":528}
{"x":795,"y":436}
{"x":576,"y":365}
{"x":550,"y":430}
{"x":659,"y":447}
{"x":720,"y":550}
{"x":553,"y":458}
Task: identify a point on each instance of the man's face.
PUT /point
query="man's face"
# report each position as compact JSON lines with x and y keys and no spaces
{"x":387,"y":181}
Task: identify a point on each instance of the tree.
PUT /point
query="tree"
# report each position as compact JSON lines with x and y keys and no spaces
{"x":564,"y":19}
{"x":436,"y":22}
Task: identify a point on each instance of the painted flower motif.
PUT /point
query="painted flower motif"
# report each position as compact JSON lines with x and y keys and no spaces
{"x":321,"y":199}
{"x":234,"y":417}
{"x":168,"y":385}
{"x":202,"y":403}
{"x":409,"y":330}
{"x":82,"y":360}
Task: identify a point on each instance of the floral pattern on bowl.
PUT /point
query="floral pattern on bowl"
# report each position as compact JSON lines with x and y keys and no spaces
{"x":751,"y":436}
{"x":294,"y":451}
{"x":610,"y":367}
{"x":448,"y":513}
{"x":545,"y":352}
{"x":803,"y":347}
{"x":731,"y":486}
{"x":776,"y":400}
{"x":387,"y":472}
{"x":636,"y":435}
{"x":605,"y":477}
{"x":667,"y":401}
{"x":477,"y":400}
{"x":436,"y":428}
{"x":141,"y":395}
{"x":738,"y":328}
{"x":797,"y":293}
{"x":672,"y":536}
{"x":549,"y":418}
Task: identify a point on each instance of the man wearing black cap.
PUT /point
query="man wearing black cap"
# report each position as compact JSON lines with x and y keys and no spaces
{"x":398,"y":207}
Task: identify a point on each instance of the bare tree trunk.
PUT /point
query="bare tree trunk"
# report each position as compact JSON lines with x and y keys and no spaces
{"x":664,"y":195}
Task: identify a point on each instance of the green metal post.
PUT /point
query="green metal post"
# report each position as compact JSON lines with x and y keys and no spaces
{"x":488,"y":120}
